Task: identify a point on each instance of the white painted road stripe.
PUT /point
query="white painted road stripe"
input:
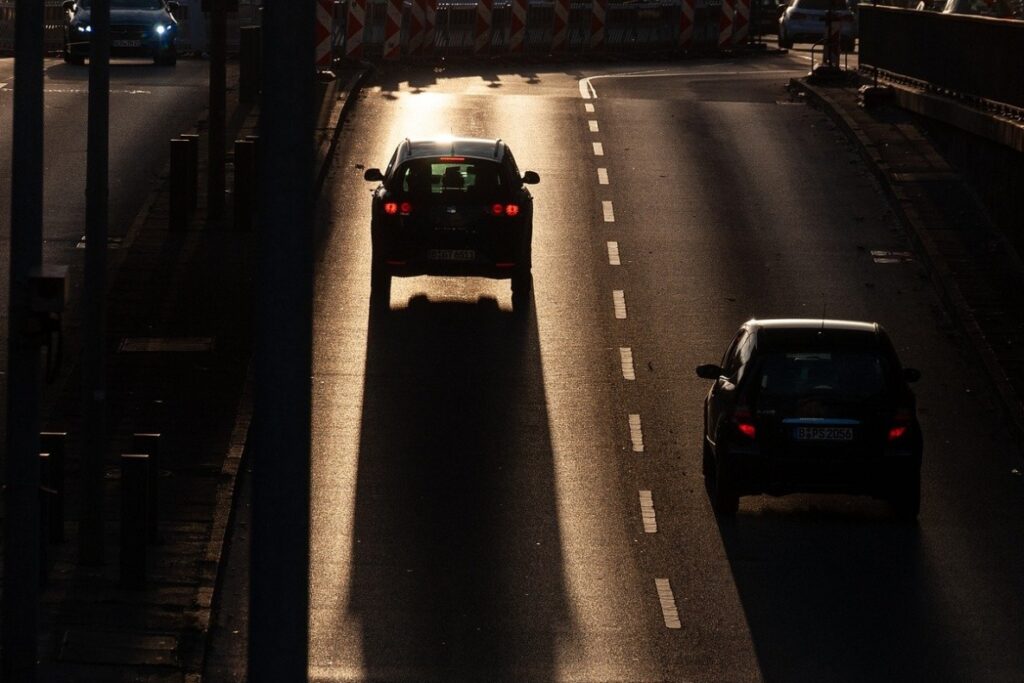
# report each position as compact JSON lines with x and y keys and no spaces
{"x":619,"y":300}
{"x":636,"y":433}
{"x":589,"y":108}
{"x":609,"y":211}
{"x":613,"y":254}
{"x":602,"y":176}
{"x":647,"y":512}
{"x":598,"y":149}
{"x":668,"y":603}
{"x":626,"y":358}
{"x":587,"y":91}
{"x":593,"y":126}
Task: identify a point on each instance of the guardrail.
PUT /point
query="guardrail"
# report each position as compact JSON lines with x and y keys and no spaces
{"x":975,"y":58}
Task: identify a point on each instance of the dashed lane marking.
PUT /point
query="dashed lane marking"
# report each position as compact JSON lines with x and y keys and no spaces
{"x":668,"y":603}
{"x":636,"y":433}
{"x":608,"y":210}
{"x":613,"y":254}
{"x":602,"y":176}
{"x":593,"y":126}
{"x":647,"y":513}
{"x":598,"y":149}
{"x":626,"y":359}
{"x":589,"y":108}
{"x":619,"y":301}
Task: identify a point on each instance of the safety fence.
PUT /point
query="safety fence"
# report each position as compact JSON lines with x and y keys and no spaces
{"x":969,"y":57}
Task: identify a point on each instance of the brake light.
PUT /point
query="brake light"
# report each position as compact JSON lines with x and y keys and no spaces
{"x":391,"y":208}
{"x":744,"y":422}
{"x":512,"y":210}
{"x":450,"y":159}
{"x":509,"y":210}
{"x":897,"y":432}
{"x":405,"y":208}
{"x":497,"y":209}
{"x":900,"y":426}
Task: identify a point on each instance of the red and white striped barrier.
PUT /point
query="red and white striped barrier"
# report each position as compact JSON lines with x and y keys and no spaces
{"x":725,"y":25}
{"x":393,"y":30}
{"x":560,"y":34}
{"x":354,"y":28}
{"x":741,"y":22}
{"x":517,"y":26}
{"x":430,"y":25}
{"x":484,"y":18}
{"x":322,"y":34}
{"x":417,"y":26}
{"x":598,"y":18}
{"x":686,"y":24}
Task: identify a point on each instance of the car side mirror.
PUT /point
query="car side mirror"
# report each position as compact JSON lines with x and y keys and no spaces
{"x":530,"y":178}
{"x":709,"y":371}
{"x":172,"y":6}
{"x":911,"y":374}
{"x":373,"y":174}
{"x":68,"y":5}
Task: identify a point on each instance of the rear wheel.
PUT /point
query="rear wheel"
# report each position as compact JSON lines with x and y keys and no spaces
{"x":73,"y":59}
{"x":380,"y":287}
{"x":725,"y":501}
{"x":784,"y":41}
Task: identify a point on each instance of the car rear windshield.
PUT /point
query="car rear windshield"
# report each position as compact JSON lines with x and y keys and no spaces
{"x":451,"y":179}
{"x":821,"y":4}
{"x":842,"y":375}
{"x":128,"y":4}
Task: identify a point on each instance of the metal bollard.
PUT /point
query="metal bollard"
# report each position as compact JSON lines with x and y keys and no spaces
{"x":134,"y":485}
{"x":46,"y":496}
{"x":248,"y":64}
{"x":245,"y":181}
{"x":149,"y":443}
{"x":193,"y":168}
{"x":55,"y":444}
{"x":179,"y":199}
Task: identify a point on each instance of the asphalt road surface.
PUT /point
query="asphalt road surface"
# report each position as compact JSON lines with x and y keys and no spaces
{"x":504,"y":502}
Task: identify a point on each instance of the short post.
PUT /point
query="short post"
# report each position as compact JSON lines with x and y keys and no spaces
{"x":46,"y":496}
{"x":179,"y":199}
{"x":245,"y":180}
{"x":149,"y":443}
{"x":55,"y":444}
{"x":134,"y":484}
{"x":193,"y":169}
{"x":248,"y":64}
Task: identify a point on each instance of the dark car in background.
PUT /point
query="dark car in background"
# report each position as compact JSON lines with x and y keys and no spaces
{"x":452,"y":206}
{"x":803,"y":405}
{"x":138,"y":28}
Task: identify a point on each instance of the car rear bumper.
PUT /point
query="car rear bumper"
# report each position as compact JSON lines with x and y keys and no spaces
{"x":147,"y":48}
{"x":397,"y":267}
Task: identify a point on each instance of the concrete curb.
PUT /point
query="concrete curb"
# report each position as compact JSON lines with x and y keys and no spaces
{"x":938,"y":270}
{"x":339,"y":110}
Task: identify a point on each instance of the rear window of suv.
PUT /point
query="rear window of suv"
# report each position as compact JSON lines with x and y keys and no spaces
{"x":451,"y":178}
{"x":844,"y":375}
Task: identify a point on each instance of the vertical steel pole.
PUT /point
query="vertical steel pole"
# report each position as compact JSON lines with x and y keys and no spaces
{"x":279,"y":595}
{"x":20,"y":620}
{"x":218,"y":92}
{"x":94,"y":381}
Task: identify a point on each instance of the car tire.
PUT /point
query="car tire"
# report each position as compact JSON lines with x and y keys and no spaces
{"x":380,"y":287}
{"x":73,"y":59}
{"x":906,"y":499}
{"x":707,"y":463}
{"x":725,"y":501}
{"x":522,"y":291}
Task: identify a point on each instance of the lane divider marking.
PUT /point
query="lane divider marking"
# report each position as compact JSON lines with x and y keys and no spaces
{"x":613,"y":254}
{"x":602,"y":176}
{"x":619,"y":301}
{"x":626,"y":359}
{"x":598,"y":149}
{"x":647,"y":512}
{"x":593,"y":126}
{"x":609,"y":211}
{"x":668,"y":603}
{"x":589,"y":108}
{"x":636,"y":433}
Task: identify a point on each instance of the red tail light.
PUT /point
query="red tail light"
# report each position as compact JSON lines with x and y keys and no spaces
{"x":744,"y":422}
{"x":391,"y":208}
{"x":900,"y":425}
{"x":506,"y":209}
{"x":512,"y":210}
{"x":497,"y":209}
{"x":405,"y":208}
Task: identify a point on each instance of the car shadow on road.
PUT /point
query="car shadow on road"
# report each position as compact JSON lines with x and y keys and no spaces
{"x":457,"y":567}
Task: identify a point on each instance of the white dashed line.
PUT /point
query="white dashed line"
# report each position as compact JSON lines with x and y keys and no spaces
{"x":619,"y":300}
{"x":668,"y":603}
{"x":647,"y":512}
{"x":589,"y":108}
{"x":613,"y":254}
{"x":626,"y":358}
{"x":602,"y":176}
{"x":609,"y":211}
{"x":593,"y":126}
{"x":636,"y":433}
{"x":598,"y":149}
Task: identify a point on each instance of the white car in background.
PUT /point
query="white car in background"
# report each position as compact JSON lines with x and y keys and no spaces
{"x":804,"y":21}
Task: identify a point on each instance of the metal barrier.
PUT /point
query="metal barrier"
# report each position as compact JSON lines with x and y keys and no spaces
{"x":969,"y":57}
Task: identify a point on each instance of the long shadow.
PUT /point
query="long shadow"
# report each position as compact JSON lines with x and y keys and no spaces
{"x":457,"y":564}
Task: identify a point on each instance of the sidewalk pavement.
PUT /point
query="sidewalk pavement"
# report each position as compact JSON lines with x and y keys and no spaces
{"x":178,"y":354}
{"x":973,"y":265}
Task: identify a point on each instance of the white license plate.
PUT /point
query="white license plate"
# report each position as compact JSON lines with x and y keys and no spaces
{"x":451,"y":255}
{"x":823,"y":433}
{"x":126,"y":43}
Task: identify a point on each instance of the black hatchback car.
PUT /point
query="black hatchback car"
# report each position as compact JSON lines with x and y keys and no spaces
{"x":138,"y":28}
{"x":452,"y":206}
{"x":811,"y":406}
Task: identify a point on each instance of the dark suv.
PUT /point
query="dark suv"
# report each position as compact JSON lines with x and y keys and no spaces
{"x":452,"y":206}
{"x":811,"y":406}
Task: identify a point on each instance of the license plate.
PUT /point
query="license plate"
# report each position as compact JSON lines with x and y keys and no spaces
{"x":126,"y":43}
{"x":823,"y":433}
{"x":451,"y":255}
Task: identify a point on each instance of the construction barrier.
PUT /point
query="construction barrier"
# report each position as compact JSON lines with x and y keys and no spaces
{"x":686,"y":24}
{"x":417,"y":26}
{"x":484,"y":20}
{"x":354,"y":29}
{"x":725,"y":22}
{"x":741,"y":22}
{"x":560,"y":35}
{"x":393,"y":30}
{"x":597,"y":23}
{"x":517,"y":26}
{"x":322,"y":34}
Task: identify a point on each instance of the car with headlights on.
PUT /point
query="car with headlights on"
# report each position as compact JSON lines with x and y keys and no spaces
{"x":452,"y":206}
{"x":138,"y":28}
{"x":805,"y":21}
{"x":812,"y":406}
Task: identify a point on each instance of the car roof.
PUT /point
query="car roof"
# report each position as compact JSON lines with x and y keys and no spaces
{"x":811,"y":323}
{"x":479,"y":148}
{"x":784,"y":333}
